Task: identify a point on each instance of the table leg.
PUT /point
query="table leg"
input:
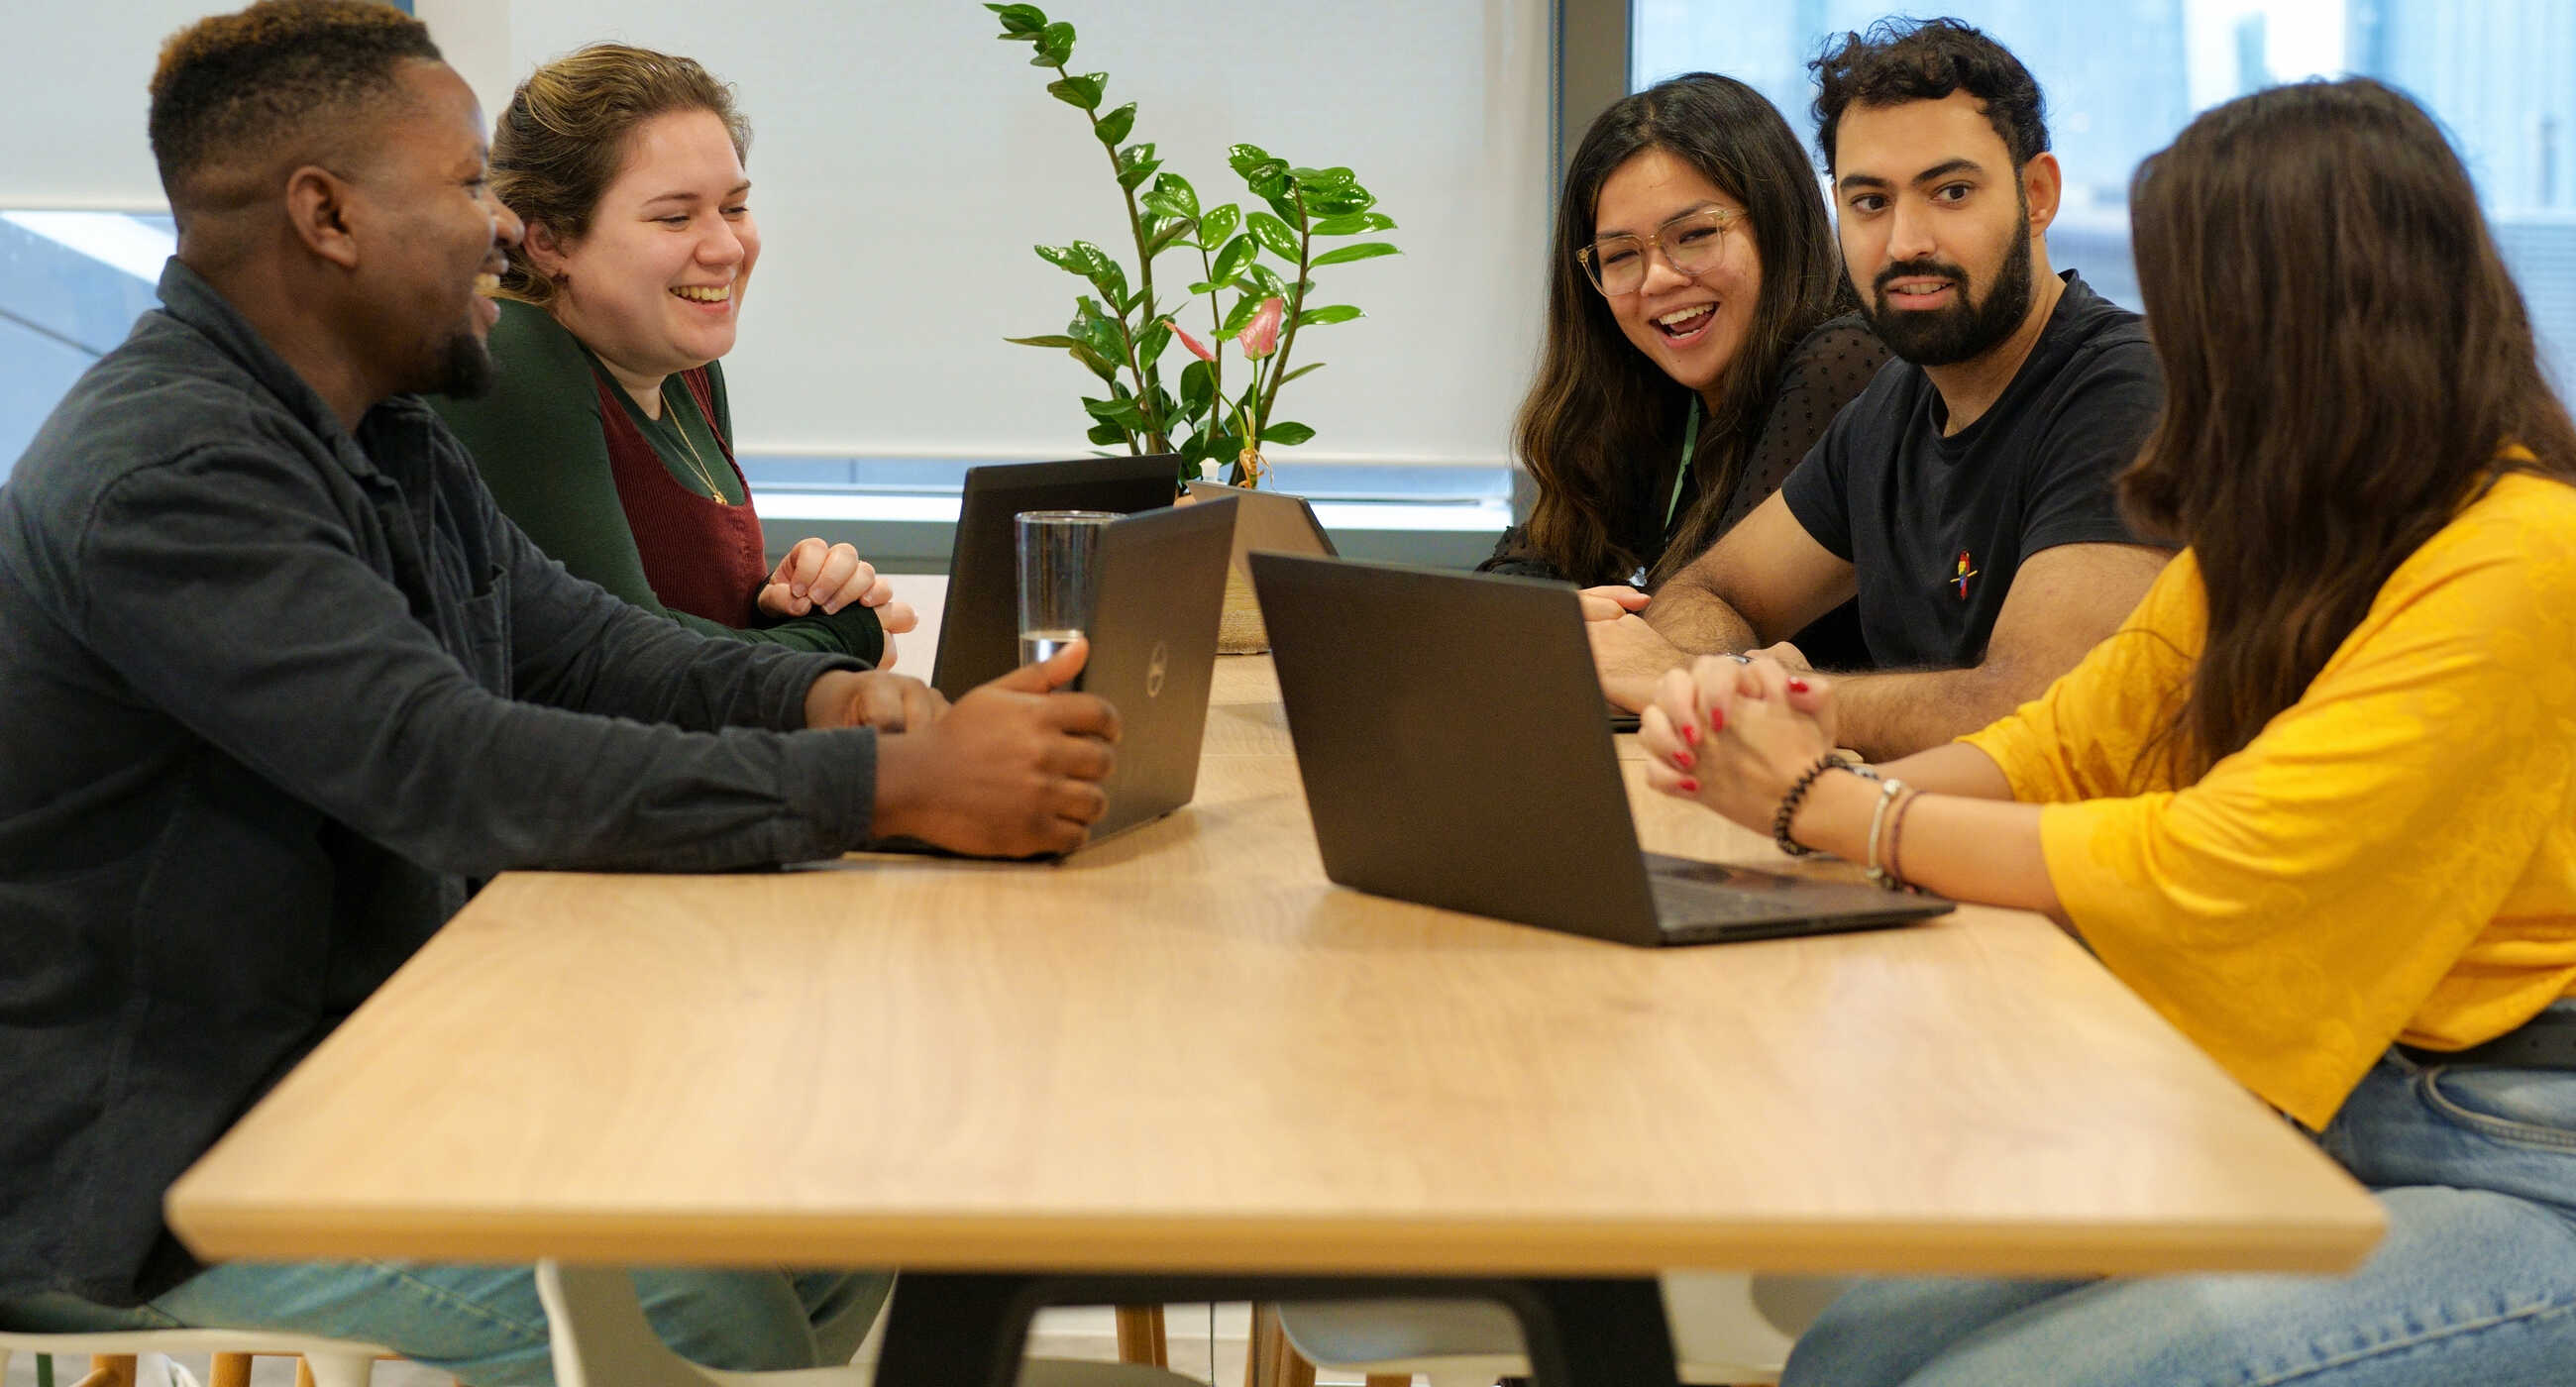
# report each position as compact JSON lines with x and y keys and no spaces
{"x":968,"y":1329}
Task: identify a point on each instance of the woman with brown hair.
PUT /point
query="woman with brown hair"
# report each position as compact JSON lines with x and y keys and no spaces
{"x":2315,"y":802}
{"x":608,"y":436}
{"x":1693,"y":354}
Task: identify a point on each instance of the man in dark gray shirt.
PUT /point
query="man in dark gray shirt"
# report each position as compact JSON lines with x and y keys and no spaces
{"x":278,"y":684}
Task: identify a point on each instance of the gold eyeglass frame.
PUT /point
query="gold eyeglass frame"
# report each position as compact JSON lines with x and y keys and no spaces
{"x":1652,"y":244}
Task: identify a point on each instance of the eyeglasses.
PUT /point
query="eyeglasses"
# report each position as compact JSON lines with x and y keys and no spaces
{"x":1691,"y":243}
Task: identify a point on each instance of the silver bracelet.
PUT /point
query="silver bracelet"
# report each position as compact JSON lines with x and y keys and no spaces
{"x":1888,"y":790}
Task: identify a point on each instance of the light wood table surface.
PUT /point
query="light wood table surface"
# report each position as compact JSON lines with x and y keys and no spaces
{"x":1184,"y":1050}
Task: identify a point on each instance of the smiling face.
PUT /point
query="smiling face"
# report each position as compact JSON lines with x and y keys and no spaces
{"x":1693,"y":327}
{"x":656,"y":285}
{"x":424,"y":201}
{"x":1936,"y":227}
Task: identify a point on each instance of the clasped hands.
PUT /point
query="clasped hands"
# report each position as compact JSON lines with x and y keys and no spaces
{"x":832,"y":576}
{"x":1734,"y":732}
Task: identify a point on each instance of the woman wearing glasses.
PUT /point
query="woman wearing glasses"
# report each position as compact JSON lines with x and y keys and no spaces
{"x":2315,"y":802}
{"x":607,"y":435}
{"x":1693,"y":354}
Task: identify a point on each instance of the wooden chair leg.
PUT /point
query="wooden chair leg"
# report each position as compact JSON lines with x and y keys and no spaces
{"x":1140,"y":1336}
{"x":1390,"y":1380}
{"x":1270,"y":1360}
{"x":229,"y":1370}
{"x":303,"y":1373}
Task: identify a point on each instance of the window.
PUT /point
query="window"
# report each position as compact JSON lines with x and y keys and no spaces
{"x":2123,"y":76}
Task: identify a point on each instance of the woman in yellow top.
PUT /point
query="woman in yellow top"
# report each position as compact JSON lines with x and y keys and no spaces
{"x":2316,"y":802}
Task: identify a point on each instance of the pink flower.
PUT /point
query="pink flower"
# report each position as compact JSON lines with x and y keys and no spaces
{"x":1201,"y":352}
{"x":1261,"y":336}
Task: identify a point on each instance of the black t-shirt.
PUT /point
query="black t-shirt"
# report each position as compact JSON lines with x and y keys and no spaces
{"x":1937,"y":527}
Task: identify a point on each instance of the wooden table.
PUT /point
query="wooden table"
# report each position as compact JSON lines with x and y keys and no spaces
{"x":1183,"y":1051}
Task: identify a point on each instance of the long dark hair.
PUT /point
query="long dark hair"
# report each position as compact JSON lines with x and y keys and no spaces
{"x":1599,"y":408}
{"x":2344,"y":354}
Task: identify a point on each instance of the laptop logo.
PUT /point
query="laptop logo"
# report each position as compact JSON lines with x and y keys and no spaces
{"x":1157,"y":666}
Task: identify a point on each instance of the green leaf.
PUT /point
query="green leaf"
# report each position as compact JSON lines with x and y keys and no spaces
{"x":1182,"y":195}
{"x":1019,"y":19}
{"x":1083,"y":91}
{"x":1339,"y":203}
{"x":1106,"y":434}
{"x":1354,"y":223}
{"x":1058,"y":342}
{"x":1097,"y":330}
{"x":1243,"y":158}
{"x":1111,"y":280}
{"x":1150,"y":343}
{"x":1055,"y":45}
{"x":1158,"y":199}
{"x":1240,"y":316}
{"x":1272,"y":286}
{"x":1288,"y":210}
{"x":1115,"y":411}
{"x":1136,"y":163}
{"x":1198,"y":389}
{"x":1288,"y":435}
{"x":1218,"y":226}
{"x":1269,"y":179}
{"x":1324,"y":317}
{"x":1231,"y":260}
{"x":1322,"y":178}
{"x":1309,"y":366}
{"x":1096,"y":363}
{"x":1171,"y":231}
{"x":1365,"y":250}
{"x":1082,"y":258}
{"x":1114,"y":126}
{"x":1274,"y":235}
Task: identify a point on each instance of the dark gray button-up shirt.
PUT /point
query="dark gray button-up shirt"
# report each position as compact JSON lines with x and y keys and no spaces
{"x":271,"y":696}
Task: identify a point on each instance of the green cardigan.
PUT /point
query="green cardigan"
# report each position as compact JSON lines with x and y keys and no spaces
{"x":537,"y":439}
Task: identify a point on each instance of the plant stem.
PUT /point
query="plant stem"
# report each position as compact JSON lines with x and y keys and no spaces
{"x":1154,"y":428}
{"x":1296,"y":305}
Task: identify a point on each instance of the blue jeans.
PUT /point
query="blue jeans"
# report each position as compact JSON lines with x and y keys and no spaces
{"x":485,"y":1325}
{"x":2475,"y":1283}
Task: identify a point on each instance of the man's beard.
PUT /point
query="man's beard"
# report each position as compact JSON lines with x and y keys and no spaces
{"x":463,"y":369}
{"x":1967,"y":328}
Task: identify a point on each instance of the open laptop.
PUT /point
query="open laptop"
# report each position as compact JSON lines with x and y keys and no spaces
{"x":979,"y":627}
{"x":1448,"y":734}
{"x":1153,"y":624}
{"x":1268,"y":520}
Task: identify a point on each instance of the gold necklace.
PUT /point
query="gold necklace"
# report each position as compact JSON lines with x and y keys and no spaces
{"x":671,"y":413}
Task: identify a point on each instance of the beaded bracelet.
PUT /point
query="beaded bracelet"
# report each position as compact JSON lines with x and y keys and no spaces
{"x":1830,"y":761}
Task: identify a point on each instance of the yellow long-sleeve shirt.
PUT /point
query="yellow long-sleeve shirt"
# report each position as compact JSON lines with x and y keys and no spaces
{"x":2393,"y":857}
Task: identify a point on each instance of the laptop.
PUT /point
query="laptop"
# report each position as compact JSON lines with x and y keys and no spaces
{"x":979,"y":627}
{"x":1153,"y":628}
{"x":1268,"y":520}
{"x":1448,"y":732}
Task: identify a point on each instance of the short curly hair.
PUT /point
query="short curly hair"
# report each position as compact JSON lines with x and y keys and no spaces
{"x":1901,"y":60}
{"x":232,"y":88}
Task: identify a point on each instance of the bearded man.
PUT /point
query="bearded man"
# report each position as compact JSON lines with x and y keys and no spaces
{"x":1966,"y":496}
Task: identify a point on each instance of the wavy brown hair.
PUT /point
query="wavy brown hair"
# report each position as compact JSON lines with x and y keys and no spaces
{"x":2344,"y":354}
{"x":1599,"y":409}
{"x":564,"y":136}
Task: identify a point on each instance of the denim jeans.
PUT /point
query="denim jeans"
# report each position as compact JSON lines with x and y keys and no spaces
{"x":2474,"y":1284}
{"x":485,"y":1325}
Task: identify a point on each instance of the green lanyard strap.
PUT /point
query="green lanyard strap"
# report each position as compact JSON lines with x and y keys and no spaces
{"x":1690,"y":444}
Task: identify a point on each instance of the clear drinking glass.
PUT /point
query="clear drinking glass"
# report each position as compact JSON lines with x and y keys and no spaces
{"x":1059,"y":567}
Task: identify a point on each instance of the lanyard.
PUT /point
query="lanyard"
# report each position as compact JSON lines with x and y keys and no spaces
{"x":1690,"y":444}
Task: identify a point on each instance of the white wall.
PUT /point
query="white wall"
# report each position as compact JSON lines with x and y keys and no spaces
{"x":904,"y":162}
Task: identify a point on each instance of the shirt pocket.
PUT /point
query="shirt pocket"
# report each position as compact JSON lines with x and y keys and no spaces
{"x":2529,"y":1107}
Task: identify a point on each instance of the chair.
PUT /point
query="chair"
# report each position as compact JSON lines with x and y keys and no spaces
{"x":1728,"y":1328}
{"x":601,"y":1339}
{"x":330,"y":1362}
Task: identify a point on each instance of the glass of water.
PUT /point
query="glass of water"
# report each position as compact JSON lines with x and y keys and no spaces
{"x":1059,"y":567}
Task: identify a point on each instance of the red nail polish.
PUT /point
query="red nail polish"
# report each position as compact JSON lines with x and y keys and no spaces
{"x":1797,"y":686}
{"x":1689,"y":786}
{"x":1690,"y":734}
{"x":1716,"y":719}
{"x":1683,"y":760}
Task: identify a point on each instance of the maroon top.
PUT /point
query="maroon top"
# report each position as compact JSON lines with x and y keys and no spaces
{"x":701,"y":555}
